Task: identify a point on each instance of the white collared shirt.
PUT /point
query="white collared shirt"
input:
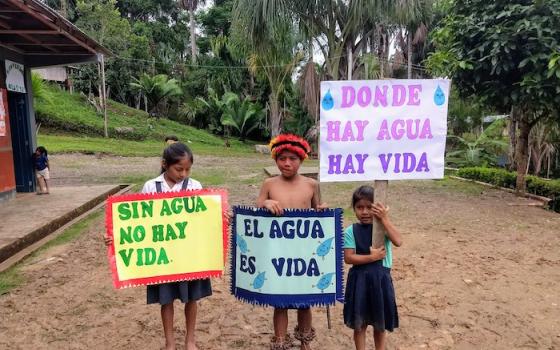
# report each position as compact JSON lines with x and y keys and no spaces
{"x":150,"y":185}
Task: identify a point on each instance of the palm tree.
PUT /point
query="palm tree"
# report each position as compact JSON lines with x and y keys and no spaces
{"x":414,"y":16}
{"x":40,"y":92}
{"x":191,"y":6}
{"x":479,"y":150}
{"x":156,"y":88}
{"x":272,"y":52}
{"x":243,"y":116}
{"x":541,"y":145}
{"x":277,"y":64}
{"x":334,"y":26}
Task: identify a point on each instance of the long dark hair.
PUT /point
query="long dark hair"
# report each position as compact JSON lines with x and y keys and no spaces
{"x":42,"y":150}
{"x":173,"y":154}
{"x":362,"y":192}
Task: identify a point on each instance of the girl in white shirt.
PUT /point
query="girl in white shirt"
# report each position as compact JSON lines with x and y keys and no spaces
{"x":175,"y":169}
{"x":176,"y":166}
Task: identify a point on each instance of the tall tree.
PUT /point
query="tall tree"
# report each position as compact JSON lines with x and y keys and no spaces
{"x":334,"y":26}
{"x":191,"y":6}
{"x":103,"y":22}
{"x":506,"y":51}
{"x":276,"y":61}
{"x":413,"y":16}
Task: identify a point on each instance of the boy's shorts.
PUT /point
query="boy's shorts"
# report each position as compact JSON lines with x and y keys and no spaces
{"x":43,"y":173}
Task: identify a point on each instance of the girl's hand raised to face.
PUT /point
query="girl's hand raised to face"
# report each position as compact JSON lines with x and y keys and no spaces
{"x":380,"y":211}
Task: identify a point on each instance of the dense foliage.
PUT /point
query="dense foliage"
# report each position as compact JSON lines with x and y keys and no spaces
{"x":184,"y":60}
{"x":508,"y":53}
{"x":507,"y":179}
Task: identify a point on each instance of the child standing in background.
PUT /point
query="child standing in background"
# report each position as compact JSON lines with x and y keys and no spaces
{"x":369,"y":296}
{"x":42,"y":166}
{"x":171,"y":139}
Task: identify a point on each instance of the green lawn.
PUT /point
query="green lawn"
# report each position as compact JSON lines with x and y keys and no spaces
{"x":127,"y":148}
{"x":69,"y":123}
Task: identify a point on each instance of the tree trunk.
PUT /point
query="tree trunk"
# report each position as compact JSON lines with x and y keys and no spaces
{"x":193,"y":35}
{"x":522,"y":149}
{"x":538,"y":164}
{"x":549,"y":161}
{"x":275,"y":118}
{"x":409,"y":53}
{"x":388,"y":71}
{"x":64,"y":8}
{"x":138,"y":98}
{"x":512,"y":130}
{"x":380,"y":53}
{"x":251,"y":82}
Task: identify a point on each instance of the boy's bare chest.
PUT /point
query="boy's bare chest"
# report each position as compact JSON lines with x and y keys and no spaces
{"x":299,"y":197}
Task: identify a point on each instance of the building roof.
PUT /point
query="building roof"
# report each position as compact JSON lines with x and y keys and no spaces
{"x":42,"y":36}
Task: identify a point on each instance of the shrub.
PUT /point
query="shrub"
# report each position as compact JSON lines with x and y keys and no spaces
{"x":504,"y":178}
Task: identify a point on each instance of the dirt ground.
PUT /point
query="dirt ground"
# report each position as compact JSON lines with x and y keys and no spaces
{"x":479,"y":269}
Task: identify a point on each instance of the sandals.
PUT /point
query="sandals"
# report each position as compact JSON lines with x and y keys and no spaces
{"x":285,"y":343}
{"x":305,"y":337}
{"x":278,"y":343}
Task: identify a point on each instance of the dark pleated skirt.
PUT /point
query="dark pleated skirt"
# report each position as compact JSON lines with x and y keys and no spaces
{"x":185,"y":291}
{"x":370,"y":298}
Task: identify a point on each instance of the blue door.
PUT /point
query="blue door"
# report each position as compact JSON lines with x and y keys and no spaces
{"x":21,"y":142}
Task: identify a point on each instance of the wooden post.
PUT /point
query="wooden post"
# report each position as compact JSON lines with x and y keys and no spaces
{"x":380,"y":196}
{"x":380,"y":192}
{"x":319,"y":201}
{"x":103,"y":94}
{"x":379,"y":186}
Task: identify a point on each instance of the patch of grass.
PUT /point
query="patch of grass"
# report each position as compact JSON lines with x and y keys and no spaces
{"x":137,"y":181}
{"x":448,"y":183}
{"x":12,"y":277}
{"x":210,"y":179}
{"x":127,"y":148}
{"x":71,"y":232}
{"x":132,"y":132}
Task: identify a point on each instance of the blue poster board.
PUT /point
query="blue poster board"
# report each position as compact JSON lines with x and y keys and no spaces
{"x":289,"y":261}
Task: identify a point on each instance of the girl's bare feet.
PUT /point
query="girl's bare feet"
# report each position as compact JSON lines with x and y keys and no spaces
{"x":190,"y":346}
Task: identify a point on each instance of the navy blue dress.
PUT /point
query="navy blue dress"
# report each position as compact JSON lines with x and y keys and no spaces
{"x":185,"y":291}
{"x":369,"y":297}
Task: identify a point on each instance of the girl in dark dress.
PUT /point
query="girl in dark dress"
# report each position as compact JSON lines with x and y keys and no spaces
{"x":370,"y":296}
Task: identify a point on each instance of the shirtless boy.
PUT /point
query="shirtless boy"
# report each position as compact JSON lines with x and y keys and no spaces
{"x":290,"y":190}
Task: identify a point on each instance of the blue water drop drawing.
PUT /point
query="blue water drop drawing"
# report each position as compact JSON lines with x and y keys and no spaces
{"x":258,"y":282}
{"x":325,"y":281}
{"x":439,"y":97}
{"x":324,"y":248}
{"x":242,"y":244}
{"x":328,"y":102}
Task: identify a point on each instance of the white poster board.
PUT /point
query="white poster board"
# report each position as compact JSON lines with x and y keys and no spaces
{"x":15,"y":80}
{"x":383,"y":129}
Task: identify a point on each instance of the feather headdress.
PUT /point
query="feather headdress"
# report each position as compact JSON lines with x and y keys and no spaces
{"x":289,"y":142}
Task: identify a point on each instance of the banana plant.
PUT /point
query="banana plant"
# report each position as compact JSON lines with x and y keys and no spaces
{"x":479,"y":150}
